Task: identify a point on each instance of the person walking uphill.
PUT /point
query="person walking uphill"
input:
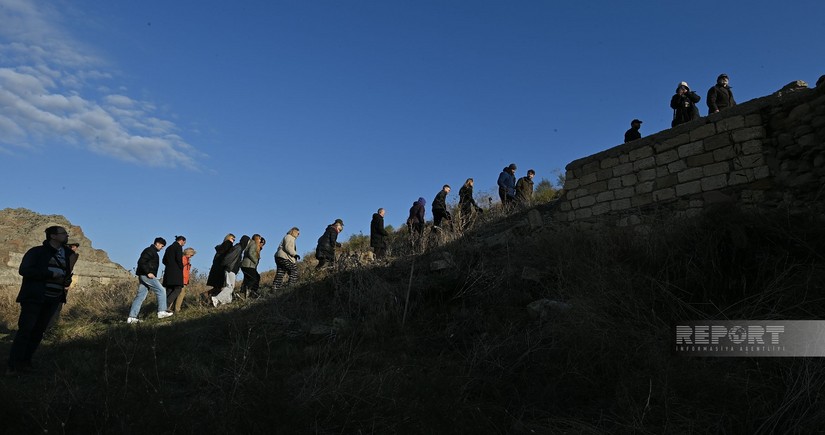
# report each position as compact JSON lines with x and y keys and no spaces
{"x":720,"y":96}
{"x":507,"y":185}
{"x":378,"y":234}
{"x":325,"y":251}
{"x":683,"y":104}
{"x":286,"y":259}
{"x":147,"y":270}
{"x":440,"y":206}
{"x":249,"y":266}
{"x":466,"y":203}
{"x":173,"y":272}
{"x":46,"y":273}
{"x":231,"y":266}
{"x":188,"y":253}
{"x":217,"y":275}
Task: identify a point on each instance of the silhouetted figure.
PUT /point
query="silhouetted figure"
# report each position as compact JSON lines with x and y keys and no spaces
{"x":720,"y":96}
{"x":633,"y":132}
{"x":683,"y":104}
{"x":378,"y":234}
{"x":325,"y":251}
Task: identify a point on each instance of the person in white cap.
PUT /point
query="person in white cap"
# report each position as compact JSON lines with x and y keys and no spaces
{"x":683,"y":104}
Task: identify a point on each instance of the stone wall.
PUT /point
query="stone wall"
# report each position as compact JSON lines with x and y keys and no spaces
{"x":765,"y":153}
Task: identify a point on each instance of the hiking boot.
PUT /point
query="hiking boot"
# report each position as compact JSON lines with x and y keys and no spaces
{"x":131,"y":320}
{"x":164,"y":314}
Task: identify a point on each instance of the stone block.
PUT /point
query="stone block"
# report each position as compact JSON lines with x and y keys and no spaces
{"x":623,"y":169}
{"x":574,"y":203}
{"x":752,"y":147}
{"x":732,"y":123}
{"x":644,"y":187}
{"x":716,"y":168}
{"x":672,"y":143}
{"x":583,"y":213}
{"x":641,"y":200}
{"x":748,"y":133}
{"x":565,"y":206}
{"x":700,"y":160}
{"x":662,"y":171}
{"x":601,"y":208}
{"x":571,"y":183}
{"x":784,"y":140}
{"x":648,"y":162}
{"x":740,"y":177}
{"x":588,"y":178}
{"x":666,"y":181}
{"x":629,"y":180}
{"x":677,"y":166}
{"x":690,"y":174}
{"x":691,"y":149}
{"x":667,"y":157}
{"x":723,"y":154}
{"x":753,"y":120}
{"x":809,"y":140}
{"x":626,"y":192}
{"x":688,"y":188}
{"x":715,"y":182}
{"x":599,"y":186}
{"x":609,"y":162}
{"x":718,"y":141}
{"x":761,"y":172}
{"x":751,"y":161}
{"x":605,"y":196}
{"x":604,"y":174}
{"x":664,"y":194}
{"x":590,"y":167}
{"x":799,"y":112}
{"x":624,"y":159}
{"x":646,"y":175}
{"x":640,"y":153}
{"x":587,"y":201}
{"x":614,"y":183}
{"x":620,"y":204}
{"x":702,"y":132}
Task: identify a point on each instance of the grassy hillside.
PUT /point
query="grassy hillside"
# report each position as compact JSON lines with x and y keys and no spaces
{"x":399,"y":348}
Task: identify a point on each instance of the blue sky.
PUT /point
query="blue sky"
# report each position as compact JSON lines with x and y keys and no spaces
{"x":139,"y":119}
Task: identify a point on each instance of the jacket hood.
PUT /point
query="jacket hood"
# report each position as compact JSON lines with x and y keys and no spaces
{"x":422,"y":201}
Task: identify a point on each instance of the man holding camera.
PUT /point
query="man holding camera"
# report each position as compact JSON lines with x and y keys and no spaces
{"x":683,"y":104}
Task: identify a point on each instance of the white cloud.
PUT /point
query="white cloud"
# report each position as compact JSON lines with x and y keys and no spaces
{"x":49,"y":87}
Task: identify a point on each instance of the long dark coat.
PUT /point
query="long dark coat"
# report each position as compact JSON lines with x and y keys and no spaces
{"x":684,"y":108}
{"x":378,"y":234}
{"x":216,"y":276}
{"x":327,"y":243}
{"x":173,"y":261}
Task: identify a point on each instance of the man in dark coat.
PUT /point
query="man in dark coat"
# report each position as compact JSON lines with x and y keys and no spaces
{"x":173,"y":272}
{"x":524,"y":188}
{"x":325,"y":251}
{"x":46,"y":273}
{"x":720,"y":96}
{"x":378,"y":234}
{"x":440,"y":206}
{"x":507,"y":185}
{"x":633,"y":133}
{"x":683,"y":104}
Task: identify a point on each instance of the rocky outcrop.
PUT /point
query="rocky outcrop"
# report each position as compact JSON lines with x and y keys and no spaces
{"x":21,"y":229}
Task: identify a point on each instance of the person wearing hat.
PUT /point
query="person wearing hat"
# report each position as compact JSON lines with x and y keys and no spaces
{"x":325,"y":251}
{"x":720,"y":96}
{"x":633,"y":132}
{"x":507,"y":185}
{"x":683,"y":104}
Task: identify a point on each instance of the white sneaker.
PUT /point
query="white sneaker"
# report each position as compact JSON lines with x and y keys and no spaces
{"x":215,"y":301}
{"x":164,"y":314}
{"x":131,"y":320}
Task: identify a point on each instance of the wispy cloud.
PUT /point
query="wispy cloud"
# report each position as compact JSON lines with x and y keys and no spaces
{"x":49,"y":92}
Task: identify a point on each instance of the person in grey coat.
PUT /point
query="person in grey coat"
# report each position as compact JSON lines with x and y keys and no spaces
{"x":286,"y":259}
{"x":249,"y":267}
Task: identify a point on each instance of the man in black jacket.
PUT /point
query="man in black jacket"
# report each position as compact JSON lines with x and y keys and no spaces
{"x":325,"y":250}
{"x":683,"y":104}
{"x":378,"y":234}
{"x":633,"y":132}
{"x":46,"y":273}
{"x":440,"y":206}
{"x":147,"y":271}
{"x":720,"y":96}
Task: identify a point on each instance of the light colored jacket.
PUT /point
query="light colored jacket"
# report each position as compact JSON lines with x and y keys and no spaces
{"x":286,"y":249}
{"x":252,"y":255}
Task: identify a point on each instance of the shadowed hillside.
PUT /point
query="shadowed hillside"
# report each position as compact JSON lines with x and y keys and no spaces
{"x":517,"y":327}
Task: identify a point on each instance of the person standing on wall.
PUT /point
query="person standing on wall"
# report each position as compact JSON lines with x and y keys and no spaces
{"x":633,"y":132}
{"x":683,"y":104}
{"x":720,"y":96}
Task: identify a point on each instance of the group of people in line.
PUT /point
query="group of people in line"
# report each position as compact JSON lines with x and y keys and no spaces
{"x":47,"y":270}
{"x":683,"y":103}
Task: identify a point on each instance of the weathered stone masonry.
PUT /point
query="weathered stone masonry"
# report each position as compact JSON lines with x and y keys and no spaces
{"x":765,"y":153}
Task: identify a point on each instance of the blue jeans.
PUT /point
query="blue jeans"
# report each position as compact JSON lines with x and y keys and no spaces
{"x":147,"y":283}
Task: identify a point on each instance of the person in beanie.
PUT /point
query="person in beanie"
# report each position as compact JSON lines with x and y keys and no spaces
{"x":286,"y":259}
{"x":173,"y":272}
{"x":325,"y":251}
{"x":378,"y":234}
{"x":46,"y":273}
{"x":507,"y":185}
{"x":147,"y":270}
{"x":524,"y":188}
{"x":720,"y":96}
{"x":683,"y":104}
{"x":633,"y":132}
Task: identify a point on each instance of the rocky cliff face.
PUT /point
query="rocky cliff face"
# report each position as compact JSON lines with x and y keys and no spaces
{"x":21,"y":229}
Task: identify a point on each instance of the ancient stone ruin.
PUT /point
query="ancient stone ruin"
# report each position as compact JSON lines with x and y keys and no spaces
{"x":21,"y":229}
